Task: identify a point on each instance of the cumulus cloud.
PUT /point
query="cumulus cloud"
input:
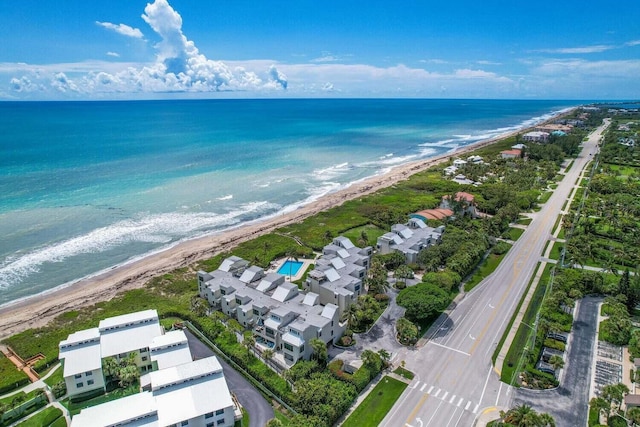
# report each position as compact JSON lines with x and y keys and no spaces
{"x":114,"y":54}
{"x":179,"y":66}
{"x":123,"y":29}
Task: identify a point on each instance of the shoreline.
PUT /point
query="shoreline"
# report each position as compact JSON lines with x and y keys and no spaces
{"x":38,"y":310}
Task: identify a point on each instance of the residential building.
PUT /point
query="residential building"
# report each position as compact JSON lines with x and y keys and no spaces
{"x":282,"y":317}
{"x":536,"y":136}
{"x":190,"y":394}
{"x":510,"y":154}
{"x":459,"y":163}
{"x":465,"y":201}
{"x":409,"y":239}
{"x":476,"y":160}
{"x":450,"y":170}
{"x":120,"y":337}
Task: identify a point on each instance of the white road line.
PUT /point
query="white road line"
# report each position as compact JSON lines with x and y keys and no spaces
{"x":449,"y":348}
{"x":438,"y":392}
{"x":434,"y":414}
{"x":424,"y":385}
{"x":476,"y":408}
{"x":466,"y":408}
{"x":452,"y":398}
{"x":485,"y":385}
{"x":461,"y":400}
{"x":430,"y":389}
{"x":499,"y":391}
{"x":444,"y":396}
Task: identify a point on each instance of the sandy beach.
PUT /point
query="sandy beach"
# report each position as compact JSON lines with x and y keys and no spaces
{"x":38,"y":310}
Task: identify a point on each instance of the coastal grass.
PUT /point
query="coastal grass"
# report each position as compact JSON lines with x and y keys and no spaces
{"x":487,"y":267}
{"x":44,"y":418}
{"x":377,"y":404}
{"x":371,"y":231}
{"x":10,"y":377}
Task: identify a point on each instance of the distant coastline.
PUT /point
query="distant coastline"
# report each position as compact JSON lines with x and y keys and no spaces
{"x":38,"y":310}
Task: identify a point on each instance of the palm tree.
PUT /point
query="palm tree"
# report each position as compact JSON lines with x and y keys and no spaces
{"x":291,"y":254}
{"x":249,"y":341}
{"x":319,"y":350}
{"x":350,"y":315}
{"x":385,"y":356}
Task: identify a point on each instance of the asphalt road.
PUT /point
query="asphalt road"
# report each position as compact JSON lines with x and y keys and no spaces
{"x":455,"y":381}
{"x":260,"y":411}
{"x":569,"y":403}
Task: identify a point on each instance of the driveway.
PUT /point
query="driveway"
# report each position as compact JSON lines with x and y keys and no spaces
{"x":380,"y":336}
{"x":569,"y":403}
{"x":260,"y":411}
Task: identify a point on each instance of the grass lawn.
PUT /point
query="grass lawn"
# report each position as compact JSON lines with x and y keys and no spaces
{"x":544,"y":197}
{"x":404,"y":373}
{"x":75,"y":408}
{"x":371,"y":230}
{"x":55,"y":378}
{"x":43,"y":418}
{"x":377,"y":404}
{"x":515,"y":233}
{"x":556,"y":250}
{"x":10,"y":375}
{"x":524,"y":220}
{"x":486,"y":268}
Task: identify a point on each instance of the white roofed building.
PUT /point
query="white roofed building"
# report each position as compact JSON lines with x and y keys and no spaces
{"x":190,"y":394}
{"x":409,"y":239}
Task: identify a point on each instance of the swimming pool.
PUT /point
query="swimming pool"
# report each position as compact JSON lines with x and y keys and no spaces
{"x":290,"y":268}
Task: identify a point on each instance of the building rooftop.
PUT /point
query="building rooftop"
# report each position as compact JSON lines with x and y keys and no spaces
{"x":146,"y":316}
{"x":141,"y":407}
{"x":124,"y":340}
{"x":81,"y":358}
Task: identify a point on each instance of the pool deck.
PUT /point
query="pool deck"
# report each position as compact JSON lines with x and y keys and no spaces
{"x":276,"y":264}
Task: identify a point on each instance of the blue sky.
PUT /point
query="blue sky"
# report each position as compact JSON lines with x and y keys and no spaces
{"x":73,"y":49}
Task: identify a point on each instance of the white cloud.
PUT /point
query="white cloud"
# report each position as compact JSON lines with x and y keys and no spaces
{"x":328,"y":87}
{"x":179,"y":66}
{"x":114,"y":54}
{"x":123,"y":29}
{"x":484,"y":62}
{"x":632,"y":43}
{"x":579,"y":50}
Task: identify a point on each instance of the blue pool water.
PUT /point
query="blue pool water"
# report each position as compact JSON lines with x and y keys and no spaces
{"x":290,"y":268}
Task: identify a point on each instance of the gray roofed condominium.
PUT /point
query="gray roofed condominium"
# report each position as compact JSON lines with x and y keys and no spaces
{"x":409,"y":239}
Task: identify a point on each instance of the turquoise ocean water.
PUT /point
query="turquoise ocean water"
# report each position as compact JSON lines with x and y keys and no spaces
{"x":85,"y":186}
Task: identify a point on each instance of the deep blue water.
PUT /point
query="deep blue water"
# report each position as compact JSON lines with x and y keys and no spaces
{"x":88,"y":185}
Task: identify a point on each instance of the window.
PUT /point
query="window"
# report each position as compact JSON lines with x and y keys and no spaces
{"x":144,"y":358}
{"x":270,"y":332}
{"x":256,"y":312}
{"x":90,"y":382}
{"x":288,"y":357}
{"x":220,"y":412}
{"x":302,"y":348}
{"x":238,"y":301}
{"x":88,"y":373}
{"x":220,"y":421}
{"x":223,"y":292}
{"x":76,"y":376}
{"x":208,"y":415}
{"x":184,"y":423}
{"x":288,"y":346}
{"x":79,"y":385}
{"x":210,"y":425}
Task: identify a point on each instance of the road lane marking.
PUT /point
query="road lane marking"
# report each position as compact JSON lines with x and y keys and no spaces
{"x":430,"y":389}
{"x":438,"y":392}
{"x":452,"y":398}
{"x":446,"y":393}
{"x":475,"y":410}
{"x":434,"y":414}
{"x":449,"y":348}
{"x":423,"y":386}
{"x":460,"y":402}
{"x":466,"y":408}
{"x":417,"y":408}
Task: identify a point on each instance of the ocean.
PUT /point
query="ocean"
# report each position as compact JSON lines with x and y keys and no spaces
{"x":85,"y":186}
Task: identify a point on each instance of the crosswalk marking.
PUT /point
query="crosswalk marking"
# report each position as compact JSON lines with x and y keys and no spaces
{"x":445,"y":394}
